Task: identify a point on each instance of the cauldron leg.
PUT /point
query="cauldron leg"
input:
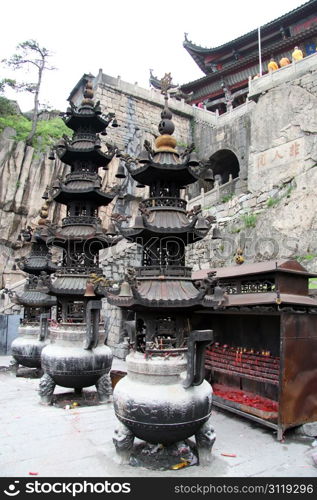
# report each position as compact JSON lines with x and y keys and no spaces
{"x":205,"y":439}
{"x":47,"y":386}
{"x":39,"y":372}
{"x":78,"y":390}
{"x":104,"y":388}
{"x":123,"y":440}
{"x":14,"y":366}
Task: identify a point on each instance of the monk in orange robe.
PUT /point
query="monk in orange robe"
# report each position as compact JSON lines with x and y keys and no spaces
{"x":297,"y":55}
{"x":272,"y":66}
{"x":284,"y":62}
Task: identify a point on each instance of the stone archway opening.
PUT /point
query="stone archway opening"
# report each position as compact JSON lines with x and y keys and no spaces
{"x":225,"y":165}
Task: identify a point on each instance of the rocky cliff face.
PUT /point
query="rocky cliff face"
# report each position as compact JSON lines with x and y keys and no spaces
{"x":277,"y":216}
{"x":24,"y":175}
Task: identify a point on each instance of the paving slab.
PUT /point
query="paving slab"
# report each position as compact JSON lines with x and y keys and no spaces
{"x":55,"y":442}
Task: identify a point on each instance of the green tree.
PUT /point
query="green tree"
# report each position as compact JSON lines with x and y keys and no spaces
{"x":31,"y":53}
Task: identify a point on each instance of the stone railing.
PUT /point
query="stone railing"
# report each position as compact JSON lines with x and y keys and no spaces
{"x":219,"y":194}
{"x":285,"y":74}
{"x":233,"y":113}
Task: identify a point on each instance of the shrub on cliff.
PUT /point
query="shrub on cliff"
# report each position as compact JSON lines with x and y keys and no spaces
{"x":47,"y":131}
{"x":7,"y":107}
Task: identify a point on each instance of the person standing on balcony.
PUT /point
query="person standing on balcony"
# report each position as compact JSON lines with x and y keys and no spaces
{"x":284,"y":62}
{"x":272,"y":66}
{"x":297,"y":55}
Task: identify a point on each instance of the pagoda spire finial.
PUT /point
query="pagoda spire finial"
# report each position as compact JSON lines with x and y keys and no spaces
{"x":166,"y":127}
{"x":88,"y":95}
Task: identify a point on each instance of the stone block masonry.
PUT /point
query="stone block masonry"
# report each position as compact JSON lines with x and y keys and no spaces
{"x":115,"y":261}
{"x":137,"y":111}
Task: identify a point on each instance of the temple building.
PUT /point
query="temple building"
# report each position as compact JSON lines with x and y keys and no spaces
{"x":228,"y":67}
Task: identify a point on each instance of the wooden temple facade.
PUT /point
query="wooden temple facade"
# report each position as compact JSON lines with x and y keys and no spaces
{"x":263,"y":364}
{"x":227,"y":68}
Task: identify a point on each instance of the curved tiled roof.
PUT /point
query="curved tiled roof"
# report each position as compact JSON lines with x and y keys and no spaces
{"x":160,"y":293}
{"x":33,"y":264}
{"x":168,"y":290}
{"x":69,"y":285}
{"x":35,"y":298}
{"x":69,"y":154}
{"x":284,"y":265}
{"x":166,"y":219}
{"x":83,"y":189}
{"x":80,"y":231}
{"x":190,"y":46}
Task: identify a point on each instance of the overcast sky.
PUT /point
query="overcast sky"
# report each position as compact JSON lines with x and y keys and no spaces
{"x":124,"y":37}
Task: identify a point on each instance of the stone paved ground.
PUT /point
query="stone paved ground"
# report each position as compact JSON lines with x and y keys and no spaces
{"x":55,"y":442}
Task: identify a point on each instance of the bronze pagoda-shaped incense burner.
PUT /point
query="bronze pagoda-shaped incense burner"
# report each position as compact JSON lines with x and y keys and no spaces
{"x":35,"y":299}
{"x":164,"y":397}
{"x":77,"y":356}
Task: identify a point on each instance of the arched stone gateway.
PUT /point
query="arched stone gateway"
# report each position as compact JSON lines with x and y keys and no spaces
{"x":224,"y":163}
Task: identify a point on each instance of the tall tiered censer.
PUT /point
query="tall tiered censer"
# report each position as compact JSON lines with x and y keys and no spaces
{"x":77,"y":356}
{"x":37,"y":303}
{"x":164,"y":399}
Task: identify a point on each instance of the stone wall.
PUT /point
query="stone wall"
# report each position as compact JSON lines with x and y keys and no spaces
{"x":115,"y":262}
{"x":138,"y":113}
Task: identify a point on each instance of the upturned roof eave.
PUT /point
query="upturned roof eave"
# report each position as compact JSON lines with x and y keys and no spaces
{"x":191,"y":47}
{"x":75,"y":118}
{"x":135,"y":303}
{"x":67,"y":154}
{"x":62,"y":196}
{"x":145,"y":173}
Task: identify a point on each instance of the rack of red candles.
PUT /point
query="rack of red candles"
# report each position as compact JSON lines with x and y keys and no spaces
{"x":249,"y":363}
{"x":245,"y":398}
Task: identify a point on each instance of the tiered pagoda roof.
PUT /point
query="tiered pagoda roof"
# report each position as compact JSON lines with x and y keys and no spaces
{"x":39,"y":266}
{"x":81,"y":234}
{"x":164,"y":227}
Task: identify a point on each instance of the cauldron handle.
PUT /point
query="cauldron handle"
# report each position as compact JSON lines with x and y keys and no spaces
{"x":197,"y":342}
{"x":43,"y":326}
{"x":92,"y":323}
